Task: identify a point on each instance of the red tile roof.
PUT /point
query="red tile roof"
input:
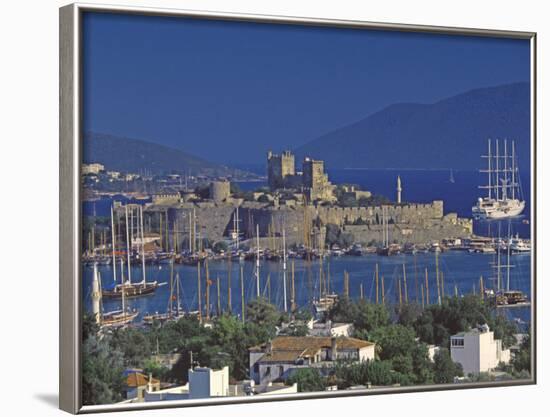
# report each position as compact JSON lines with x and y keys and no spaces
{"x":137,"y":379}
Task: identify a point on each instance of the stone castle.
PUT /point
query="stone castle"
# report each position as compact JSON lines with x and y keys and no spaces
{"x":306,"y":216}
{"x":312,"y":181}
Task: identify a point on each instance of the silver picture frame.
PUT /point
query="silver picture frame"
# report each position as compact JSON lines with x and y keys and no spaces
{"x":70,"y":155}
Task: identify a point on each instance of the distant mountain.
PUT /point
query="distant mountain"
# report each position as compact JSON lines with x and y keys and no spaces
{"x":134,"y":155}
{"x":451,"y":133}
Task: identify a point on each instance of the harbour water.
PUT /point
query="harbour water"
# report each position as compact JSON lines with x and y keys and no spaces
{"x":459,"y":269}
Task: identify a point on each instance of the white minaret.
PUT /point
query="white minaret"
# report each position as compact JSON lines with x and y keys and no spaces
{"x":399,"y":189}
{"x":96,"y":296}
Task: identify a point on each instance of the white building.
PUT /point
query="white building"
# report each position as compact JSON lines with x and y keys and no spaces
{"x":278,"y":359}
{"x":478,"y":351}
{"x":92,"y":168}
{"x":207,"y":382}
{"x":331,"y":329}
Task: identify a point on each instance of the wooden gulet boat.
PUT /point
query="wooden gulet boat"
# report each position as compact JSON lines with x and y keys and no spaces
{"x":130,"y":289}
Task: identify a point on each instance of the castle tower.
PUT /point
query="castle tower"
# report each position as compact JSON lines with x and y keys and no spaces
{"x":279,"y":168}
{"x":220,"y":190}
{"x":399,"y":189}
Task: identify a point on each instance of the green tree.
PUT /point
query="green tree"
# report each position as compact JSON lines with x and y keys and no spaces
{"x":102,"y":372}
{"x":263,"y":313}
{"x":407,"y":314}
{"x":296,"y":330}
{"x":438,"y":322}
{"x":367,"y":372}
{"x":229,"y":335}
{"x":158,"y":371}
{"x":102,"y":366}
{"x":522,"y":358}
{"x":422,"y":365}
{"x":308,"y":380}
{"x":134,"y":345}
{"x":371,"y":316}
{"x":444,"y":368}
{"x":394,"y":340}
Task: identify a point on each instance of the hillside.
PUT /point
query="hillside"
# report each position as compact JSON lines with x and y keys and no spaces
{"x":134,"y":155}
{"x":451,"y":133}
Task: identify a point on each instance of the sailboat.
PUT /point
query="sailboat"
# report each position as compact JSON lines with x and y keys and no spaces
{"x":387,"y":249}
{"x":109,"y":319}
{"x":504,"y":295}
{"x":451,"y":177}
{"x":504,"y":196}
{"x":173,"y":313}
{"x":129,"y":288}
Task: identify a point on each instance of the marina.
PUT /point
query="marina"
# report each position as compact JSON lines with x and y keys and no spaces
{"x":460,"y":271}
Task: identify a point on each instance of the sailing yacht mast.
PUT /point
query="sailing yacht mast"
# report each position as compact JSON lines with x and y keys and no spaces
{"x":497,"y":172}
{"x":190,"y":234}
{"x":113,"y":243}
{"x":178,"y":295}
{"x":284,"y":271}
{"x":508,"y":266}
{"x":238,"y":220}
{"x":128,"y":246}
{"x":513,"y":171}
{"x":257,"y":260}
{"x":171,"y":299}
{"x":498,"y":261}
{"x":142,"y":245}
{"x":489,"y":172}
{"x":505,"y":181}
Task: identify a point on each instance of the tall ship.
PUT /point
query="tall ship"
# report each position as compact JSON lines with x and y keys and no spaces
{"x":504,"y":194}
{"x":127,"y":288}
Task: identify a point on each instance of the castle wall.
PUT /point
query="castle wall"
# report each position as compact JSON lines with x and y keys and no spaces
{"x":406,"y":213}
{"x":417,"y":223}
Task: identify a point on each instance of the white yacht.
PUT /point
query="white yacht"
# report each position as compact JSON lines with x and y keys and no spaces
{"x":504,"y":196}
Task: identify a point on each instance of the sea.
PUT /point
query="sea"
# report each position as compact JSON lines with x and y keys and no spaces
{"x":461,"y":270}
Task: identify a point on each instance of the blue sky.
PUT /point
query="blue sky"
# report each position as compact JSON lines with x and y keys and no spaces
{"x":229,"y":91}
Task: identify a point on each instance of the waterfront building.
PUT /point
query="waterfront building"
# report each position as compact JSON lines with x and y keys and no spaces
{"x":94,"y":168}
{"x":279,"y":358}
{"x":477,"y":350}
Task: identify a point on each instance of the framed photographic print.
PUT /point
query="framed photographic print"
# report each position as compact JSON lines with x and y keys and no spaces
{"x":261,"y":208}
